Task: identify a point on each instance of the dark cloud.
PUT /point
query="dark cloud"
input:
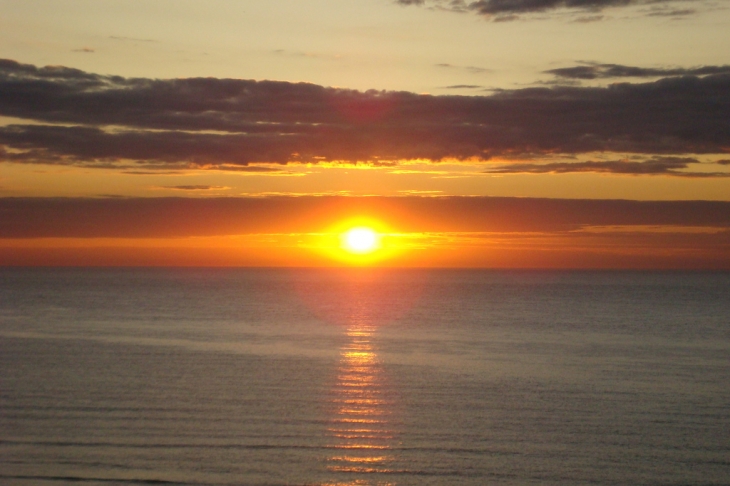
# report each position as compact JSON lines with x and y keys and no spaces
{"x":105,"y":121}
{"x":494,"y":7}
{"x":93,"y":147}
{"x":601,"y":71}
{"x":84,"y":49}
{"x":180,"y":217}
{"x":670,"y":166}
{"x":503,"y":10}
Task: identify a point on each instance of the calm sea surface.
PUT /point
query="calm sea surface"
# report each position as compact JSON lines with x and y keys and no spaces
{"x":363,"y":377}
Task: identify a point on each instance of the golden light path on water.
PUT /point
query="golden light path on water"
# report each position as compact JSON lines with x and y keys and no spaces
{"x":361,"y":426}
{"x":364,"y":417}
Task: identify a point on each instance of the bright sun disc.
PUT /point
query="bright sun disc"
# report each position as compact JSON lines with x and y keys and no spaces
{"x":361,"y":240}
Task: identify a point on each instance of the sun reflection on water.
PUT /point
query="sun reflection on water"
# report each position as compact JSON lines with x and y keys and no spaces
{"x":361,"y":427}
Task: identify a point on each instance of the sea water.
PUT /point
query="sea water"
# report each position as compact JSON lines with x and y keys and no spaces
{"x":363,"y":377}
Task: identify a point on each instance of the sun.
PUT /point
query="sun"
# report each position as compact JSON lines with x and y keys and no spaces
{"x":360,"y":240}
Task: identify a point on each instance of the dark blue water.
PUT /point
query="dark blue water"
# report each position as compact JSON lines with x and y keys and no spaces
{"x":363,"y":377}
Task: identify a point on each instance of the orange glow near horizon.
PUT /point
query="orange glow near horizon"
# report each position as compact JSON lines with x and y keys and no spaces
{"x":375,"y":232}
{"x":359,"y":241}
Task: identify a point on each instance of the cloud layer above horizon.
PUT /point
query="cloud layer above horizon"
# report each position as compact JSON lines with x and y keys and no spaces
{"x":67,"y":116}
{"x":443,"y":231}
{"x":175,"y":217}
{"x":506,"y":10}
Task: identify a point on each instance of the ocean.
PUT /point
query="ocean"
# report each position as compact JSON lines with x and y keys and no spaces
{"x":363,"y":377}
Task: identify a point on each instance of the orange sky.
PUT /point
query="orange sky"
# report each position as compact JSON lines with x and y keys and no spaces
{"x":415,"y":231}
{"x":469,"y":134}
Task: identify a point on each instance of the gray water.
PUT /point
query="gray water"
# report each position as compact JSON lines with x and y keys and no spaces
{"x":363,"y":377}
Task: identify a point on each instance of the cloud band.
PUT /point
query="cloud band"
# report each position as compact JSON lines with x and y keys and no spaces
{"x":82,"y":118}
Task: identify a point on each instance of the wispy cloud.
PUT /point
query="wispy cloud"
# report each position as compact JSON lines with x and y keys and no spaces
{"x":671,"y":12}
{"x":195,"y":187}
{"x":587,"y":19}
{"x":131,"y":39}
{"x":588,"y":70}
{"x":306,"y":54}
{"x":506,"y":10}
{"x":470,"y":69}
{"x":463,"y":86}
{"x":668,"y":166}
{"x":422,"y":193}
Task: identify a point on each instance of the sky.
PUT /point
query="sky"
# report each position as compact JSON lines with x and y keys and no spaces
{"x":492,"y":133}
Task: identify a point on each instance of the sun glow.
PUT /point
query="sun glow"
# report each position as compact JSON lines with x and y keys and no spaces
{"x":361,"y":240}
